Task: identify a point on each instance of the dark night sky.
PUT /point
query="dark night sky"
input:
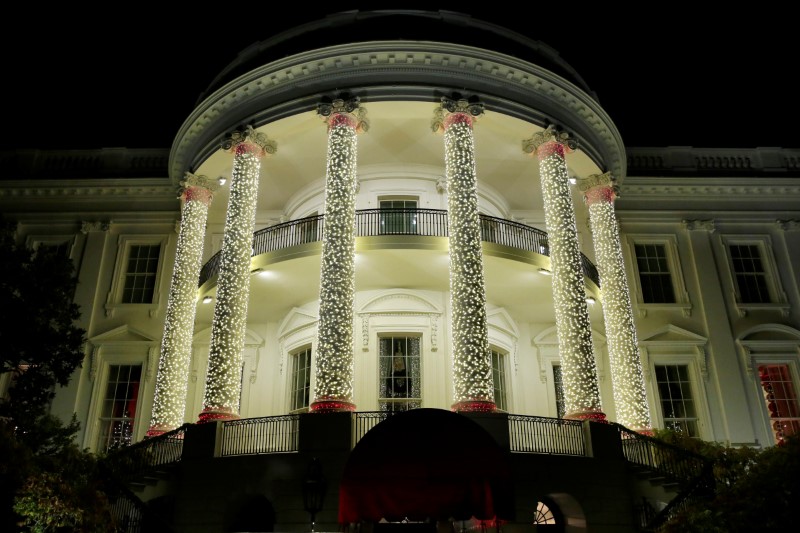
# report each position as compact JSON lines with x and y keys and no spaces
{"x":667,"y":74}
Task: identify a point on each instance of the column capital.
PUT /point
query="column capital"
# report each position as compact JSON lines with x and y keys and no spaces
{"x":96,"y":225}
{"x":344,"y":111}
{"x":598,"y":187}
{"x":548,"y":135}
{"x":198,"y":187}
{"x":248,"y":135}
{"x":453,"y":110}
{"x":699,"y":225}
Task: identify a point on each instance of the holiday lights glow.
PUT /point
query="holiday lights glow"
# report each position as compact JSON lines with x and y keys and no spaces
{"x":472,"y":367}
{"x":579,"y":370}
{"x":333,"y":390}
{"x":630,"y":396}
{"x":223,"y":381}
{"x":169,"y":403}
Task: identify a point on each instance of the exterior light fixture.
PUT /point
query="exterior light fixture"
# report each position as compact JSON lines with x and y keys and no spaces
{"x":545,"y":272}
{"x":590,"y":300}
{"x":314,"y":490}
{"x":222,"y":180}
{"x":207,"y":299}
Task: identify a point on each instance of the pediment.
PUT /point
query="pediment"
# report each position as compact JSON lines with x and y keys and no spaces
{"x":399,"y":301}
{"x":771,"y":333}
{"x":500,"y":319}
{"x":122,"y":335}
{"x":296,"y":319}
{"x":671,"y":334}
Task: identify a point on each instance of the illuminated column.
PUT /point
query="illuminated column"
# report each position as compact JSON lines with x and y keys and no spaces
{"x":630,"y":397}
{"x":223,"y":381}
{"x":333,"y":390}
{"x":169,"y":403}
{"x":579,"y":370}
{"x":472,"y":367}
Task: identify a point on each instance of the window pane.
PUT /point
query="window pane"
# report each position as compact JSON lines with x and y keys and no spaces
{"x":398,"y":216}
{"x":781,"y":400}
{"x":748,"y":269}
{"x":399,"y":364}
{"x":118,"y":413}
{"x":301,"y":379}
{"x":140,"y":277}
{"x":499,"y":379}
{"x":654,"y":276}
{"x":675,"y":396}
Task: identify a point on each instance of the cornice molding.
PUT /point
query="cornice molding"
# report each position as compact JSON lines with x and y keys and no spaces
{"x":293,"y":85}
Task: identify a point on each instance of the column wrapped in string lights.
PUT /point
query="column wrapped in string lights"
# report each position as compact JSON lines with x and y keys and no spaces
{"x":333,"y":390}
{"x":472,"y":367}
{"x":630,"y":397}
{"x":223,"y":381}
{"x":169,"y":403}
{"x":578,"y":366}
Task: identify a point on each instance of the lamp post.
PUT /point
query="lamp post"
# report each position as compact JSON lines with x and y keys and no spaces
{"x":314,"y":490}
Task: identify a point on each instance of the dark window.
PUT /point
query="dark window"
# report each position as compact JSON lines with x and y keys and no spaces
{"x":118,"y":412}
{"x":748,"y":270}
{"x":140,"y":276}
{"x":399,"y":362}
{"x":677,"y":403}
{"x":301,"y":379}
{"x":654,"y":276}
{"x":499,"y":379}
{"x":398,"y":216}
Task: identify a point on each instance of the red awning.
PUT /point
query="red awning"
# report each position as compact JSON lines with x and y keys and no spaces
{"x":426,"y":464}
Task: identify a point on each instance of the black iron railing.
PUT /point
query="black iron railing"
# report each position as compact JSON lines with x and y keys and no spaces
{"x":254,"y":436}
{"x":693,"y":473}
{"x":538,"y":434}
{"x":366,"y":420}
{"x":399,"y":221}
{"x":148,"y":455}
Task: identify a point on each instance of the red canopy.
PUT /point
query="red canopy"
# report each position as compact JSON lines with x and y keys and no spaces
{"x":426,"y":464}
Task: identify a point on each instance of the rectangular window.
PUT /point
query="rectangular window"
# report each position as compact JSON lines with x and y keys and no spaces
{"x":499,"y":379}
{"x":558,"y":384}
{"x":781,"y":399}
{"x":398,"y":217}
{"x":118,"y":412}
{"x":301,"y":379}
{"x":677,"y":403}
{"x":399,"y":365}
{"x":654,"y":276}
{"x":140,"y":276}
{"x":749,"y":273}
{"x":61,"y":249}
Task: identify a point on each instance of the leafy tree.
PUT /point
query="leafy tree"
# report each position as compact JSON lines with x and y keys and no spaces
{"x":40,"y":343}
{"x":756,"y":490}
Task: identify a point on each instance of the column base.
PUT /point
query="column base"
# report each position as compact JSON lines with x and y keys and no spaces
{"x":331,"y":406}
{"x":157,"y":430}
{"x":215,"y":414}
{"x":648,"y":432}
{"x":594,"y":416}
{"x":474,"y":406}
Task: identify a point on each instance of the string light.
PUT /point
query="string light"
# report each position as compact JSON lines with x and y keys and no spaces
{"x":333,"y":390}
{"x":579,"y":371}
{"x":630,"y":396}
{"x":472,"y":368}
{"x":223,"y":381}
{"x":169,"y":402}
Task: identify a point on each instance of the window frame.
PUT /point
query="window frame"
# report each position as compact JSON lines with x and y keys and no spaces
{"x":692,"y":390}
{"x":697,"y":376}
{"x":402,"y":400}
{"x":778,"y":300}
{"x":293,"y":359}
{"x":794,"y":373}
{"x":408,"y":220}
{"x":670,"y":243}
{"x":102,"y":398}
{"x":124,"y":245}
{"x":504,"y":357}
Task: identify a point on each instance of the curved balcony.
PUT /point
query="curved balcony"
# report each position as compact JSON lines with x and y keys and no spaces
{"x":408,"y":222}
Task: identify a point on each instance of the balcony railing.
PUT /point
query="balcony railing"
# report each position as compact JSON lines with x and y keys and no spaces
{"x":147,"y":455}
{"x":537,"y":434}
{"x":255,"y":436}
{"x":412,"y":222}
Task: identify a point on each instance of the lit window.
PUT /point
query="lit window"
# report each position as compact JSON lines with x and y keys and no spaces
{"x":499,"y":379}
{"x":398,"y":217}
{"x":399,"y":362}
{"x":543,"y":514}
{"x":654,"y":275}
{"x":749,"y":273}
{"x":301,"y":379}
{"x":677,"y":403}
{"x":558,"y":385}
{"x":140,"y":276}
{"x":781,"y":400}
{"x":118,"y":412}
